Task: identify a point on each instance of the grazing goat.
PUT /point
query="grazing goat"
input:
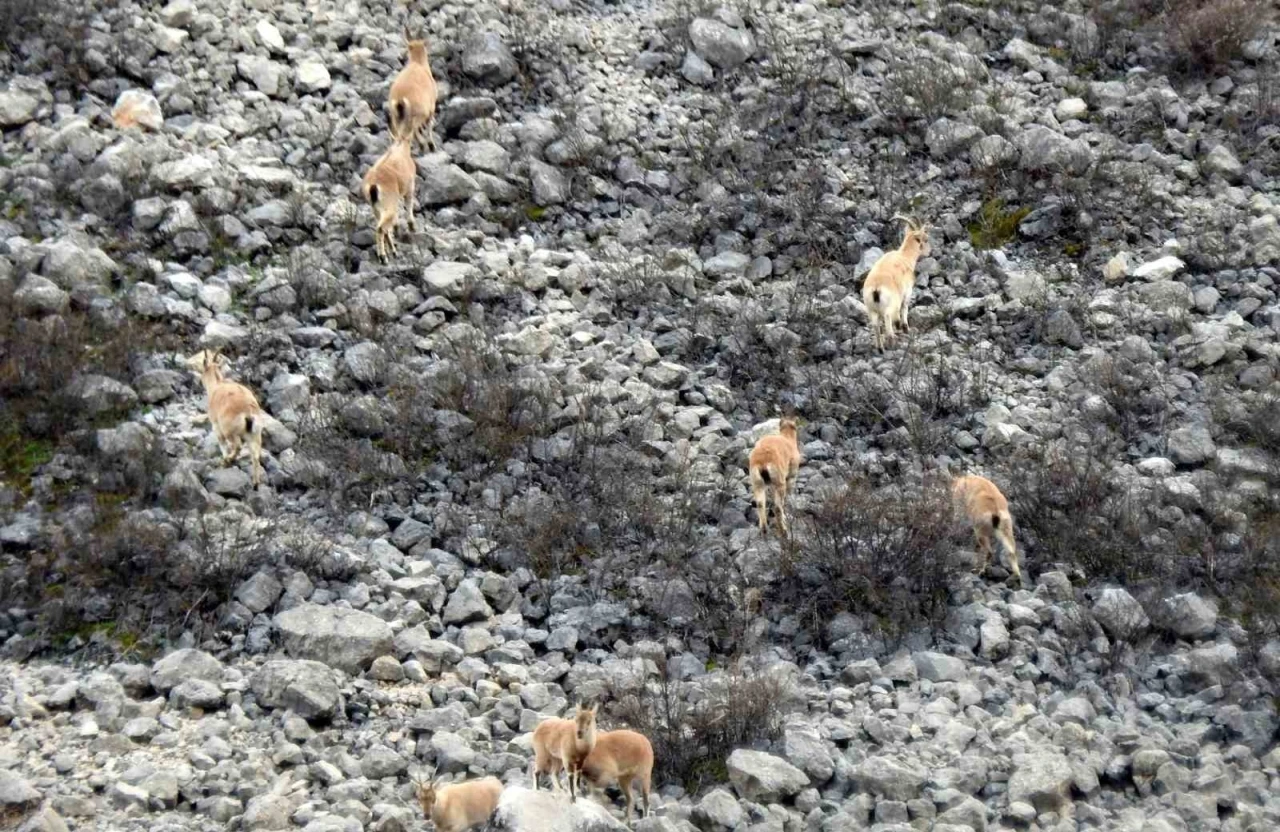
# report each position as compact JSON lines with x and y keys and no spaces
{"x":887,"y":290}
{"x":622,"y":758}
{"x":233,"y":410}
{"x":460,"y":806}
{"x":412,"y":102}
{"x":389,"y":183}
{"x":773,"y":464}
{"x":564,"y":743}
{"x":988,"y":511}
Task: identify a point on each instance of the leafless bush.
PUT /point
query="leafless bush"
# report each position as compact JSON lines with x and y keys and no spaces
{"x":1071,"y":509}
{"x":926,"y":87}
{"x":1205,"y":34}
{"x":1135,"y":392}
{"x":694,"y":727}
{"x":885,"y":554}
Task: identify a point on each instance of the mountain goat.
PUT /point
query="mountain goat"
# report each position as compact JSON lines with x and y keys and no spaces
{"x":887,"y":290}
{"x":988,"y":512}
{"x":772,"y":466}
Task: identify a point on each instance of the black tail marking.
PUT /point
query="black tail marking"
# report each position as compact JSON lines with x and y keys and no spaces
{"x":248,"y":424}
{"x":875,"y":295}
{"x":373,"y":194}
{"x":400,"y":108}
{"x":995,"y":521}
{"x":764,"y":475}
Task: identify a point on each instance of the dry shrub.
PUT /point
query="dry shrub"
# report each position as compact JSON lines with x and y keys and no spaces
{"x":695,"y":726}
{"x":885,"y":554}
{"x":1203,"y":35}
{"x":1068,"y":507}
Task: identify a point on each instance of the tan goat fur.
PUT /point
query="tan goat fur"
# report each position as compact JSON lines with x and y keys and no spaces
{"x":389,"y":184}
{"x":988,"y":512}
{"x":412,"y":102}
{"x":886,"y":292}
{"x":563,"y":744}
{"x":772,"y":466}
{"x":623,"y":758}
{"x":459,"y":806}
{"x":233,"y":410}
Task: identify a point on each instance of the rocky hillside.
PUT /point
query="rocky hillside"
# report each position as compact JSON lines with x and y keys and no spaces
{"x":505,"y":471}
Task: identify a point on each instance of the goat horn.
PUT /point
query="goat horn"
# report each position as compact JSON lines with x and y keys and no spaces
{"x":904,"y":218}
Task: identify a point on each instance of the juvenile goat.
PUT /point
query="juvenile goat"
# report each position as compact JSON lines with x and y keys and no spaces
{"x":621,"y":758}
{"x":387,"y":185}
{"x":459,"y":806}
{"x":412,"y":102}
{"x":772,"y":466}
{"x":887,"y":290}
{"x":563,"y":744}
{"x":988,"y":511}
{"x":233,"y":410}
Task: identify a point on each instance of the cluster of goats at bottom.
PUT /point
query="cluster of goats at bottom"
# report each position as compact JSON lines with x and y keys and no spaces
{"x":599,"y":759}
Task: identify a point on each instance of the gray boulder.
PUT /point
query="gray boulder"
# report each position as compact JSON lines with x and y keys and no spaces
{"x":259,"y":592}
{"x":343,"y":638}
{"x":764,"y":778}
{"x":1042,"y":779}
{"x":937,"y":667}
{"x":488,"y":60}
{"x":1191,"y":445}
{"x":183,"y":665}
{"x":16,"y":794}
{"x":550,"y":186}
{"x":1044,"y":149}
{"x":467,"y":604}
{"x":305,"y":687}
{"x":38,"y":295}
{"x":1189,"y":616}
{"x":720,"y":44}
{"x":1120,"y":614}
{"x":523,"y":810}
{"x":100,"y":394}
{"x":443,"y":182}
{"x":805,"y":748}
{"x":718,"y":810}
{"x":889,"y":778}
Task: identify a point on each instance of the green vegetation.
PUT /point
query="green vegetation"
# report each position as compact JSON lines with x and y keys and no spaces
{"x":995,"y":226}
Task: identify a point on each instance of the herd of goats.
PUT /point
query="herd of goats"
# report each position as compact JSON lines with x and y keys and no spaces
{"x":623,"y":758}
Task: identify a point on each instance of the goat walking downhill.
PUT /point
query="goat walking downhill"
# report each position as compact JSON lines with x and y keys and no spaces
{"x":886,"y":292}
{"x":772,"y":466}
{"x":459,"y":806}
{"x":622,"y":758}
{"x":563,"y":744}
{"x":233,"y":410}
{"x":412,"y":101}
{"x":389,"y":184}
{"x":988,"y":512}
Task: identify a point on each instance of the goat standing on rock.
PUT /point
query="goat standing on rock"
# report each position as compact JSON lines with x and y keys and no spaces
{"x":563,"y":743}
{"x":988,"y":511}
{"x":412,"y":101}
{"x":387,"y":185}
{"x":772,"y":466}
{"x":622,"y":758}
{"x":460,"y":806}
{"x":233,"y":410}
{"x":887,"y":290}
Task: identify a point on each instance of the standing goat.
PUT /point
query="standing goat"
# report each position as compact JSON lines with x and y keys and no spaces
{"x":387,"y":185}
{"x":460,"y":806}
{"x":563,"y":743}
{"x":621,"y":758}
{"x":773,"y":465}
{"x":412,"y":102}
{"x":887,"y":290}
{"x":988,"y":512}
{"x":233,"y":410}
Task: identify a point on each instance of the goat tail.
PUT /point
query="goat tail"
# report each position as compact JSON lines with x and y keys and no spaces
{"x":399,"y":112}
{"x":373,"y":194}
{"x":875,"y":296}
{"x":765,"y":477}
{"x":995,"y":521}
{"x":249,"y":423}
